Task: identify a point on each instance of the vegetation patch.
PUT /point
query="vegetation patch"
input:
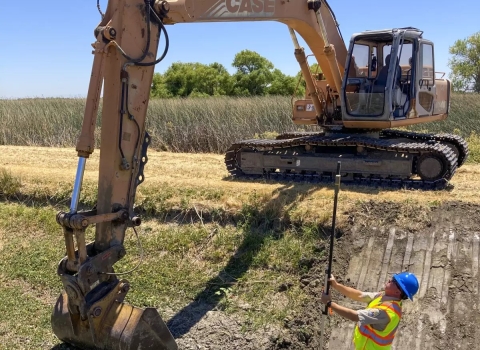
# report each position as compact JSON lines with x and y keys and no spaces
{"x":196,"y":125}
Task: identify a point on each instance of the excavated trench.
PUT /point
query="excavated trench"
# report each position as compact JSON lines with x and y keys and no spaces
{"x":442,"y":248}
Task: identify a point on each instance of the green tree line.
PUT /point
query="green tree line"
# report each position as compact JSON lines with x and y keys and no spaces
{"x":254,"y":76}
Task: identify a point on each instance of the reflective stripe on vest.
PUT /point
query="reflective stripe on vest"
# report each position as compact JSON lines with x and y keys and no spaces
{"x":392,"y":305}
{"x":365,"y":331}
{"x":367,"y":334}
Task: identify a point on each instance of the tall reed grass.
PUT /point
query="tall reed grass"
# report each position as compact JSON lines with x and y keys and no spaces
{"x":192,"y":125}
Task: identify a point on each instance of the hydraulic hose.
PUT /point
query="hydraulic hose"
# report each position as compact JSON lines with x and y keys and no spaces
{"x":137,"y":62}
{"x":167,"y":43}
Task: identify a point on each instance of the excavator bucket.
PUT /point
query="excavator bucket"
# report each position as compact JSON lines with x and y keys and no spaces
{"x":122,"y":327}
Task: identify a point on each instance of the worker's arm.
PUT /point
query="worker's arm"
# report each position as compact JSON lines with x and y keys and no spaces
{"x":350,"y":314}
{"x":364,"y":317}
{"x":350,"y":292}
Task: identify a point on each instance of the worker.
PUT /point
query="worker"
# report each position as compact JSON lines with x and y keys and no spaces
{"x":376,"y":325}
{"x":354,"y":71}
{"x":381,"y":80}
{"x":374,"y":62}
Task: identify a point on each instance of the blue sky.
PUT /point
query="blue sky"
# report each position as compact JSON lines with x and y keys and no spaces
{"x":46,"y":52}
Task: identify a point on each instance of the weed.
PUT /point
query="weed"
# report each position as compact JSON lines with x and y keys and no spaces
{"x":226,"y":294}
{"x":474,"y":146}
{"x":9,"y":184}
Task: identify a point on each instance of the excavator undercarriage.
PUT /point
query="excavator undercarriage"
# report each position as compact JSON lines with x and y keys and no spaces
{"x":386,"y":158}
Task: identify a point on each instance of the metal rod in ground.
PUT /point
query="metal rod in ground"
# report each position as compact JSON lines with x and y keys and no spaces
{"x":328,"y":272}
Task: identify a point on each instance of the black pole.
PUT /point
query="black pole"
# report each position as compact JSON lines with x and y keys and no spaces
{"x":328,"y":272}
{"x":332,"y":234}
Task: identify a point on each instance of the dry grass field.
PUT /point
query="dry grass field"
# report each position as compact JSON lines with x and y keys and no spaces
{"x":232,"y":261}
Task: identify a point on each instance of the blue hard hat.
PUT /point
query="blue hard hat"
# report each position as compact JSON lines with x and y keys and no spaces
{"x":408,"y":282}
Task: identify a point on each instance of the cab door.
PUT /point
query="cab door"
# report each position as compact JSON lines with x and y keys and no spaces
{"x":425,"y":79}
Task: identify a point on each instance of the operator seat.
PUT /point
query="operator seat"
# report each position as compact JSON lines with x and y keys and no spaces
{"x":381,"y":81}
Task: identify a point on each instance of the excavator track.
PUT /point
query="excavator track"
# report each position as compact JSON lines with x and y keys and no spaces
{"x":460,"y":145}
{"x":295,"y":134}
{"x":253,"y":159}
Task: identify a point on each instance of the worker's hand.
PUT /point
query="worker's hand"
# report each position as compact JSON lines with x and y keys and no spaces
{"x":333,"y":281}
{"x":326,"y":298}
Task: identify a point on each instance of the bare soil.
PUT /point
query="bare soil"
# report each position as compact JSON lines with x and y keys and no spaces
{"x":439,"y":244}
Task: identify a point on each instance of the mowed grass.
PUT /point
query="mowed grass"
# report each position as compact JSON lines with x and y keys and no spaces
{"x":181,"y":263}
{"x":231,"y":243}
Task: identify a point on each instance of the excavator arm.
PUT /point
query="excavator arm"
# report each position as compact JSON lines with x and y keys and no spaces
{"x":314,"y":20}
{"x":90,"y":312}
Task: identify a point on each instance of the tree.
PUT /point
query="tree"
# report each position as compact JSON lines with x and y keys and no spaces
{"x":283,"y":84}
{"x":465,"y":64}
{"x":213,"y":80}
{"x":192,"y":79}
{"x":254,"y":76}
{"x":254,"y":73}
{"x":159,"y":88}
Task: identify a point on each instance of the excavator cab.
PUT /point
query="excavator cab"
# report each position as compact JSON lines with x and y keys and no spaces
{"x":390,"y":75}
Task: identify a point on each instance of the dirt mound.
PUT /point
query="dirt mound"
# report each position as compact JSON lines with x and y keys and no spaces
{"x":216,"y":330}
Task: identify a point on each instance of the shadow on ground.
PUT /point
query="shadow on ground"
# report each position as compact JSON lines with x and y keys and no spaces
{"x":373,"y":187}
{"x":262,"y":223}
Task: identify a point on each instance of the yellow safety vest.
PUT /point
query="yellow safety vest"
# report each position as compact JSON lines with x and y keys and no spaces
{"x":368,"y":338}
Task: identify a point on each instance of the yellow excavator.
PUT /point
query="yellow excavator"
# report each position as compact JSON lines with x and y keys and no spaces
{"x":385,"y":79}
